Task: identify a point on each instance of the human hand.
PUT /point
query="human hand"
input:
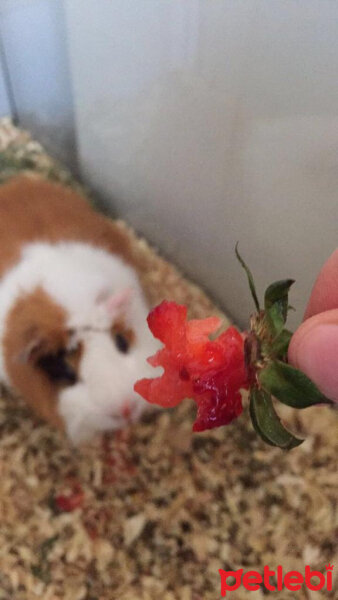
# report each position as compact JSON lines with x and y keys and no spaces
{"x":314,"y":346}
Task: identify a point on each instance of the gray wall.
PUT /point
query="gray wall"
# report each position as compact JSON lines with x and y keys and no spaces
{"x":201,"y":122}
{"x":34,"y":40}
{"x":205,"y":122}
{"x":5,"y":109}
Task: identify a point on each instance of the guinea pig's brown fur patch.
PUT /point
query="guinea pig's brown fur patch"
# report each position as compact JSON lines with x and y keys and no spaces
{"x":36,"y":210}
{"x":35,"y":326}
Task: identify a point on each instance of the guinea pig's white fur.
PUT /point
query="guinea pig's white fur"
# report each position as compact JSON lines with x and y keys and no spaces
{"x":94,"y":288}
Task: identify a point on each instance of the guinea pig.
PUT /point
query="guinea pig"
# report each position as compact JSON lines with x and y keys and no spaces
{"x":73,"y":331}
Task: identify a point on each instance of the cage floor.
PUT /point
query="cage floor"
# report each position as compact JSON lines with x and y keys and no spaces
{"x":163,"y":509}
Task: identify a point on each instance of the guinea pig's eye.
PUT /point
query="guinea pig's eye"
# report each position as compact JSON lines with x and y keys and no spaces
{"x":121,"y":343}
{"x":57,"y":368}
{"x":123,"y":337}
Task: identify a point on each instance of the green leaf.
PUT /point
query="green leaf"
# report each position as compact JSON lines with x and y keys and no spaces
{"x":267,"y":423}
{"x":290,"y":386}
{"x":275,"y":319}
{"x":277,"y":292}
{"x":280,"y":345}
{"x":276,"y":305}
{"x":250,"y":279}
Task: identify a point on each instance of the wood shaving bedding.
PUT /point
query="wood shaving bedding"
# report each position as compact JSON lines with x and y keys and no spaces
{"x":161,"y":509}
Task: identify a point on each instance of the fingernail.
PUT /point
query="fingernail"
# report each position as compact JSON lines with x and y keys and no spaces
{"x":317,"y":357}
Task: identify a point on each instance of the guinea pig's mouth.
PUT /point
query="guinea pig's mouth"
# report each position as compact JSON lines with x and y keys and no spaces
{"x":129,"y":414}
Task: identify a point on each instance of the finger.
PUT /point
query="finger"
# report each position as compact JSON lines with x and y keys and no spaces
{"x":314,"y":350}
{"x":324,"y":295}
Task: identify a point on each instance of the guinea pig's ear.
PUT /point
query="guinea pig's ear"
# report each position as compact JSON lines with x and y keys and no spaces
{"x":118,"y":303}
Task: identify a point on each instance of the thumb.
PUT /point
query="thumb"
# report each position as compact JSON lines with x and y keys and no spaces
{"x":314,"y":350}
